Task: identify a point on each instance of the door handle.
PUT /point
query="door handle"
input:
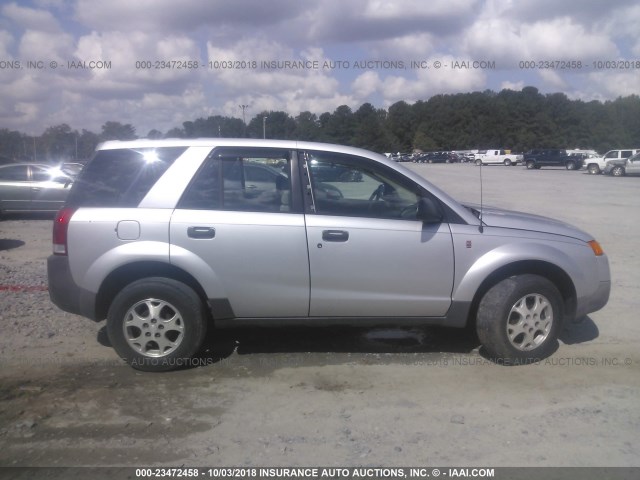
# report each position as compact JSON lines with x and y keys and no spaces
{"x":201,"y":232}
{"x":335,"y":235}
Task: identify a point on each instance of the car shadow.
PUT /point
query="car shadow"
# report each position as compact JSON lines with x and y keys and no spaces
{"x":222,"y":343}
{"x":9,"y":243}
{"x":580,"y":331}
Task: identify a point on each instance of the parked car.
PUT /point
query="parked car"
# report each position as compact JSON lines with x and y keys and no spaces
{"x":596,"y":165}
{"x":335,"y":173}
{"x":497,"y":157}
{"x":622,"y":167}
{"x":28,"y":187}
{"x":167,"y":239}
{"x":402,"y":157}
{"x":436,"y":157}
{"x":552,"y":157}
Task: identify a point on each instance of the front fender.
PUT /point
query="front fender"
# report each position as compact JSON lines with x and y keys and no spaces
{"x":564,"y":256}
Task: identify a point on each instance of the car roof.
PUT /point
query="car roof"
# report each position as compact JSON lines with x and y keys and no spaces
{"x":232,"y":142}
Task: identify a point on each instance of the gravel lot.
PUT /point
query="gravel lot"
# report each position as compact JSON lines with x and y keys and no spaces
{"x":339,"y":396}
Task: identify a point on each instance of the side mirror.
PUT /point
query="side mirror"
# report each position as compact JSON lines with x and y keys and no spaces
{"x":429,"y":211}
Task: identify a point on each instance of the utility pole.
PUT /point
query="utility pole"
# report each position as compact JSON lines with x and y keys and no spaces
{"x":244,"y":123}
{"x":264,"y":126}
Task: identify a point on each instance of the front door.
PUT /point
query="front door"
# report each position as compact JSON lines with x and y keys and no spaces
{"x":369,"y":255}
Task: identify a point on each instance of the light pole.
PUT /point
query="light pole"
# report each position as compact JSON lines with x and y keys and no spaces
{"x":244,"y":123}
{"x":264,"y":126}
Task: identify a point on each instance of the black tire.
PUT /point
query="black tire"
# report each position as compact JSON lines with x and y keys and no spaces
{"x":172,"y":335}
{"x":478,"y":162}
{"x":531,"y":165}
{"x":507,"y":162}
{"x":593,"y":169}
{"x":571,"y":165}
{"x":618,"y":171}
{"x":519,"y":319}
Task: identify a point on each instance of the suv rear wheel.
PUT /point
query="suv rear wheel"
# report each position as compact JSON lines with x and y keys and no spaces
{"x":593,"y":169}
{"x":156,"y":324}
{"x":519,"y":319}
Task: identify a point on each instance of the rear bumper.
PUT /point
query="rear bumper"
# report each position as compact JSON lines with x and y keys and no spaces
{"x":65,"y":293}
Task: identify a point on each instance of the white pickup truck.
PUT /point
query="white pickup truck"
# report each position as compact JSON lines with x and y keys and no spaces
{"x":504,"y":157}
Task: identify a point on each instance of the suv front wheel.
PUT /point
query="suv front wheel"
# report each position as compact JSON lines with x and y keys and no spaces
{"x":156,"y":324}
{"x":519,"y":319}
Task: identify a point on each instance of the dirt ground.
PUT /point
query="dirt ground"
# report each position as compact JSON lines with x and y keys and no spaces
{"x":334,"y":396}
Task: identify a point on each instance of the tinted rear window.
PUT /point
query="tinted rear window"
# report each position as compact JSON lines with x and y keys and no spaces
{"x":122,"y":177}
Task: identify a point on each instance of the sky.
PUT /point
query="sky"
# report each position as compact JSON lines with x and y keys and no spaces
{"x":157,"y":63}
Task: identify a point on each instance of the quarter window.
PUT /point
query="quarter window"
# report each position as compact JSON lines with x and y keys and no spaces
{"x":121,"y":177}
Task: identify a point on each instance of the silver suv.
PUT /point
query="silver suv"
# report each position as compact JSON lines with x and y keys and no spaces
{"x":166,"y":239}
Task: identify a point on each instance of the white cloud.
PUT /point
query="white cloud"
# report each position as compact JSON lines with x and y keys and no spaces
{"x":615,"y":84}
{"x":366,"y":85}
{"x":552,"y":79}
{"x":433,"y":81}
{"x":123,"y":32}
{"x":515,"y":86}
{"x":45,"y":46}
{"x":30,"y":18}
{"x":384,"y":9}
{"x":407,"y":47}
{"x":558,"y":39}
{"x":187,"y":15}
{"x":562,"y":39}
{"x":6,"y":42}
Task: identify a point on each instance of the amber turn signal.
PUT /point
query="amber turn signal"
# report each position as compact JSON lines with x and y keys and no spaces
{"x":597,"y":249}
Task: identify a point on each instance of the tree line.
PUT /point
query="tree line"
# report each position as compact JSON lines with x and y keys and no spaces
{"x":516,"y":120}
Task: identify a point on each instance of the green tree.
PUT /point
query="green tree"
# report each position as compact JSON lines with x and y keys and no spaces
{"x":308,"y":127}
{"x":369,"y":132}
{"x":117,"y":131}
{"x":278,"y":125}
{"x":401,"y":124}
{"x":154,"y":134}
{"x":339,"y":126}
{"x":58,"y":143}
{"x":13,"y":145}
{"x":87,"y":142}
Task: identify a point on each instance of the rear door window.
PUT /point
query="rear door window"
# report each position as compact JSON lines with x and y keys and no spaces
{"x":242,"y":179}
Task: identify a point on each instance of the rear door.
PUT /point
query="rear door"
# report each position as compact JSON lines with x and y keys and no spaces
{"x":368,"y":254}
{"x":240,"y":226}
